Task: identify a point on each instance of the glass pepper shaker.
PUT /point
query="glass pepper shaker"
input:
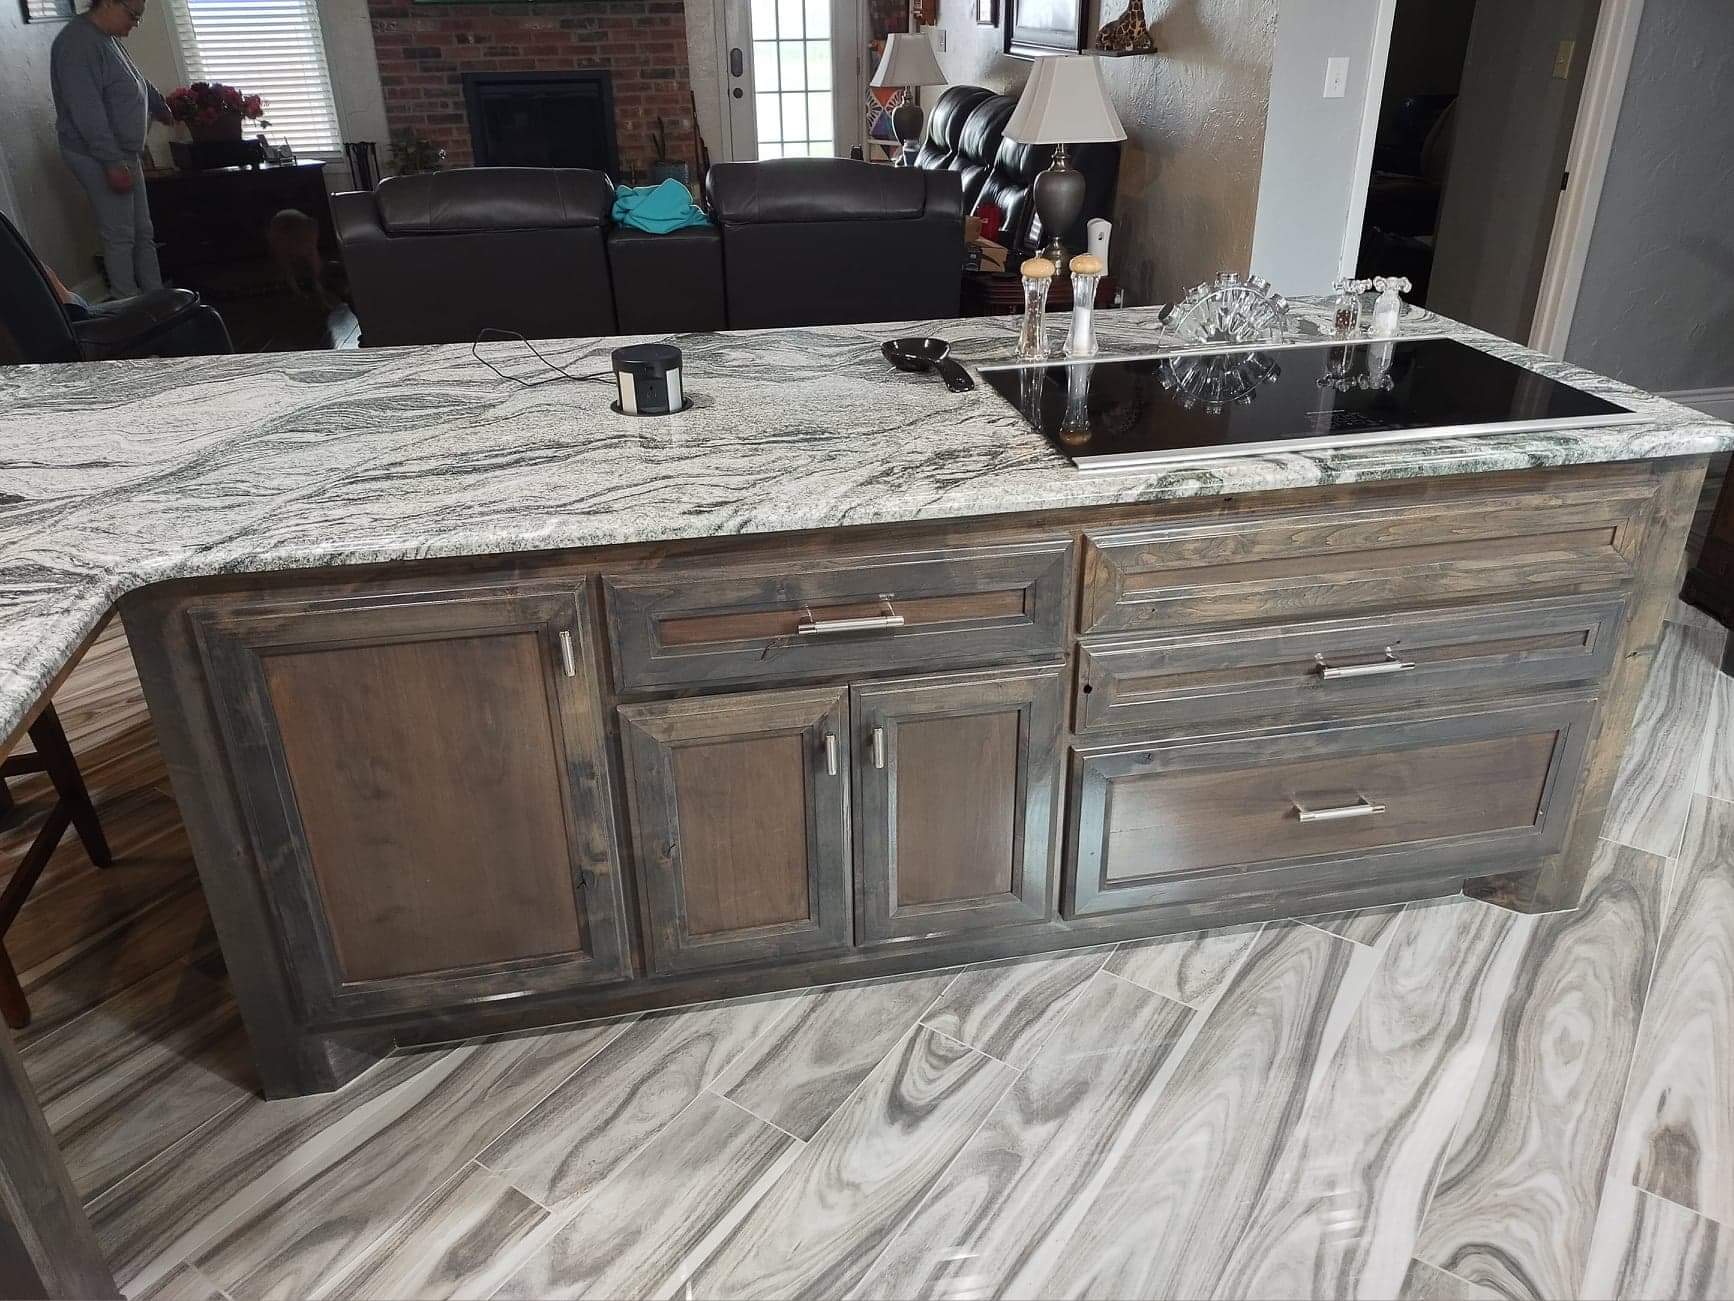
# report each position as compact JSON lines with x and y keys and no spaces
{"x":1346,"y":307}
{"x":1038,"y":273}
{"x":1086,"y":273}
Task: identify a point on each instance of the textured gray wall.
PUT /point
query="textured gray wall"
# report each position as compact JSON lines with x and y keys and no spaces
{"x":51,"y":208}
{"x":1194,"y":118}
{"x":1657,"y":304}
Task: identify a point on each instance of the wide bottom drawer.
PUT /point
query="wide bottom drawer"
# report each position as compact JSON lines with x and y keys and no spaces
{"x":1154,"y":824}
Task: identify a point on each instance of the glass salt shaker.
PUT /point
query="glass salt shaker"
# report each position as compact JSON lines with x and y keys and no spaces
{"x":1038,"y":273}
{"x":1086,"y":273}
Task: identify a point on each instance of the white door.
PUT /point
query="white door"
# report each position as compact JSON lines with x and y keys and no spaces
{"x":791,"y":77}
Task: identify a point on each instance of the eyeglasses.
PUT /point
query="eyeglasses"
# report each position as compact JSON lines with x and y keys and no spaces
{"x":137,"y":15}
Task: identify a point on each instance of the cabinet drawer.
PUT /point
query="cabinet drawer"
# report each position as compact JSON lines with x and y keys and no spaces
{"x":839,"y":614}
{"x":1324,"y":809}
{"x":1332,"y":561}
{"x":1302,"y":672}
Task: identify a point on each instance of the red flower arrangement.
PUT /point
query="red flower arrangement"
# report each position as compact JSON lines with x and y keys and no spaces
{"x":205,"y":103}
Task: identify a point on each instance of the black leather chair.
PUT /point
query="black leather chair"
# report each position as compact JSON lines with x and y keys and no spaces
{"x":439,"y":257}
{"x":978,"y":145}
{"x":36,"y":327}
{"x":945,"y":125}
{"x":827,"y":241}
{"x":1010,"y":186}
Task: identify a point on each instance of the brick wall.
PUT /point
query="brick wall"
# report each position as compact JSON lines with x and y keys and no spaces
{"x":424,"y":50}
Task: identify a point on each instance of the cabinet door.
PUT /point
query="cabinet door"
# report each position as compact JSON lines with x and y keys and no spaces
{"x":957,"y":782}
{"x":740,"y":815}
{"x":424,"y":782}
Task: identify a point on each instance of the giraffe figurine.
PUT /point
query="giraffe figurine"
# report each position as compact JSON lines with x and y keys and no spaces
{"x":1127,"y":34}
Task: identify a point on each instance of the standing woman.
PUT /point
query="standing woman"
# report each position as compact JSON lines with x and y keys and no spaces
{"x":102,"y":109}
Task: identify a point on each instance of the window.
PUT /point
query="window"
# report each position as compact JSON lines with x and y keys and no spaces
{"x":269,"y":48}
{"x":792,"y":72}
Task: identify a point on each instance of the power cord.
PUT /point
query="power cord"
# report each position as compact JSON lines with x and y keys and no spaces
{"x":488,"y":334}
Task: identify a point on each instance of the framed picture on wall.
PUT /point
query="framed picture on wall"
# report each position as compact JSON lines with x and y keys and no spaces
{"x":987,"y":13}
{"x":1035,"y":28}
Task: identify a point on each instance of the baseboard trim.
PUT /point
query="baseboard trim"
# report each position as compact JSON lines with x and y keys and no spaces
{"x":1717,"y":402}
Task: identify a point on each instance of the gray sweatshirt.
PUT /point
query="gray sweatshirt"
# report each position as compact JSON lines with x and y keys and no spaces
{"x":102,"y":103}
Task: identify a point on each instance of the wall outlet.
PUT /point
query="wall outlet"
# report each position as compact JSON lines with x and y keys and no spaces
{"x":1336,"y":77}
{"x":1562,"y":60}
{"x":937,"y":36}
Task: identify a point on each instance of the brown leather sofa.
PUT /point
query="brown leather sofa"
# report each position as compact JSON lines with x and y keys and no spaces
{"x":438,"y":258}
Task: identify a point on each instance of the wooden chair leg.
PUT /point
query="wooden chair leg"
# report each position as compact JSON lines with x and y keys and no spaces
{"x":8,"y":805}
{"x":12,"y":1003}
{"x":61,"y":766}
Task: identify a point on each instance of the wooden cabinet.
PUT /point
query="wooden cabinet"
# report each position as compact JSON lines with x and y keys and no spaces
{"x":424,"y":783}
{"x":1288,"y":817}
{"x":957,"y":782}
{"x":740,"y":815}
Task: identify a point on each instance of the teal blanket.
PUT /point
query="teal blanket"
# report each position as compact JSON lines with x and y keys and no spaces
{"x":657,"y":208}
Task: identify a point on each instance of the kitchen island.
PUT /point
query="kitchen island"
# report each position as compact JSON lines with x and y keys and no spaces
{"x":486,"y":707}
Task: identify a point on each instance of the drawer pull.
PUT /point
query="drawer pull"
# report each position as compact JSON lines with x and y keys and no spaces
{"x":879,"y":747}
{"x":1377,"y":669}
{"x":811,"y":627}
{"x":568,"y":659}
{"x":830,"y":754}
{"x":1361,"y":808}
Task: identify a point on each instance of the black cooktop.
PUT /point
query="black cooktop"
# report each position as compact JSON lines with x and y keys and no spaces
{"x":1126,"y":415}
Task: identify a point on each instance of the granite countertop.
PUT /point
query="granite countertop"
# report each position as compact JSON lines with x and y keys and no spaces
{"x":118,"y":474}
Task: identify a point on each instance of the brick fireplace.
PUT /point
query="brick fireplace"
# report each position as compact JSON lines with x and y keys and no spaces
{"x":425,"y":50}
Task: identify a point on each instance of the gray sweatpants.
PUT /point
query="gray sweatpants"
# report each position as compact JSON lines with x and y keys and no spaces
{"x":123,"y":223}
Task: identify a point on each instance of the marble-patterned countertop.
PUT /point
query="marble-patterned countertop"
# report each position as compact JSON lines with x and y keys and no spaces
{"x":115,"y":475}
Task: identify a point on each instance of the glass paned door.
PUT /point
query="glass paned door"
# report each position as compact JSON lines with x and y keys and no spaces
{"x":790,"y":66}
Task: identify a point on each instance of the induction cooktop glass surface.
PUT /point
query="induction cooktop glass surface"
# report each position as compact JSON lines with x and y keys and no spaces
{"x":1128,"y":415}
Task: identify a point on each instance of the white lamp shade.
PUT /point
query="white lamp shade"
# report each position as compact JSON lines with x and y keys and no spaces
{"x":1064,"y":103}
{"x":908,"y":61}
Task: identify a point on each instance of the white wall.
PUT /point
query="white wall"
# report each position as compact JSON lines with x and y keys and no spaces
{"x":1194,"y":116}
{"x":1657,"y":304}
{"x":45,"y":202}
{"x":1314,"y":173}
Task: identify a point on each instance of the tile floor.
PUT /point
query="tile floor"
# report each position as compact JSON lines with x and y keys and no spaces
{"x":1440,"y":1101}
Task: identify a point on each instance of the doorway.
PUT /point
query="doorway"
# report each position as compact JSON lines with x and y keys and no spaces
{"x":1470,"y":158}
{"x":791,"y":78}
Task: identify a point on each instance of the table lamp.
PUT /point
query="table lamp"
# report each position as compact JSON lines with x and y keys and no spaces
{"x":909,"y":63}
{"x":1064,"y":102}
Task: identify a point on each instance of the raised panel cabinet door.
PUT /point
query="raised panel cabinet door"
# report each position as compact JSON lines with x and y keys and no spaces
{"x":958,"y":783}
{"x":424,"y":782}
{"x":740,"y":817}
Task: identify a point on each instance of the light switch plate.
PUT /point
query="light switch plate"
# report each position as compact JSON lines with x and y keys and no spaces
{"x":937,"y":36}
{"x":1336,"y":76}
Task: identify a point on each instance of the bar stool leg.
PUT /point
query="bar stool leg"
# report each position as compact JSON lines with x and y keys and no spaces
{"x":12,"y":1002}
{"x":61,"y":766}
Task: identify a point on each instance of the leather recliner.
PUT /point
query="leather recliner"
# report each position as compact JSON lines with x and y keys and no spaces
{"x":827,"y":241}
{"x":945,"y":125}
{"x":979,"y":144}
{"x":1010,"y":186}
{"x":439,"y":257}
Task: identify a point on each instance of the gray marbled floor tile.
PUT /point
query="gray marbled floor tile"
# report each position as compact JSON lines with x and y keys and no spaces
{"x":1514,"y":1207}
{"x":1346,"y":1190}
{"x":1040,"y":1150}
{"x":1425,"y":1282}
{"x":800,"y":1072}
{"x":582,"y":1131}
{"x":826,"y":1219}
{"x":1007,"y":1009}
{"x":1363,"y":926}
{"x":1716,"y":771}
{"x":128,"y":1079}
{"x":308,"y":1230}
{"x":1681,"y":1097}
{"x":1664,"y":753}
{"x":1690,"y":616}
{"x":454,"y":1244}
{"x":1658,"y":1251}
{"x":704,"y":1171}
{"x":1164,"y":1211}
{"x":1190,"y":967}
{"x":184,"y":1283}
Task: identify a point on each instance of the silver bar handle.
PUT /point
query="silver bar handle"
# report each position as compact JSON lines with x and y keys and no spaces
{"x":1361,"y":808}
{"x":1377,"y":669}
{"x":811,"y":627}
{"x":830,"y":754}
{"x":568,"y":657}
{"x":879,"y":747}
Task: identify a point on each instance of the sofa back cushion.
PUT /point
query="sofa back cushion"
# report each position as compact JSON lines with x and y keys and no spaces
{"x":979,"y":144}
{"x":494,"y":198}
{"x":945,"y":125}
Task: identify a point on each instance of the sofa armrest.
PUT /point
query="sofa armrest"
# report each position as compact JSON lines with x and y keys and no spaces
{"x":129,"y":327}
